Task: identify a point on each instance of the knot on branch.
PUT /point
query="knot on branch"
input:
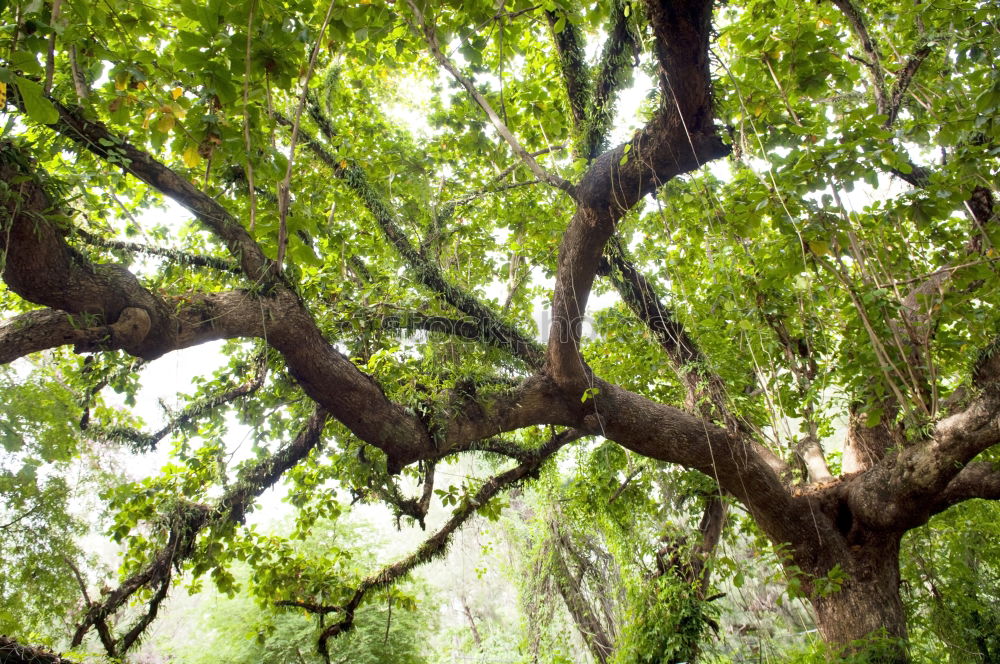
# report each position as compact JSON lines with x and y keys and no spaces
{"x":131,"y":328}
{"x":128,"y":332}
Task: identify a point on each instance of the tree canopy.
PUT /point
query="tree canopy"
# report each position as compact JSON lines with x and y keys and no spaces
{"x":784,"y":212}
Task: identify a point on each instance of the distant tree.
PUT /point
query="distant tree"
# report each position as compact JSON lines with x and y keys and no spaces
{"x":840,"y":266}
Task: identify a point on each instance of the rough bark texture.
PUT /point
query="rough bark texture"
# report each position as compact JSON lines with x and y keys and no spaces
{"x":868,"y":602}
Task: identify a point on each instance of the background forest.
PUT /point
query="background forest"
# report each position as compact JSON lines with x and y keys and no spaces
{"x":408,"y":331}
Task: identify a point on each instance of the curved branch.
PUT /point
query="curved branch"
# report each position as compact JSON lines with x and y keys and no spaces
{"x":43,"y":269}
{"x":679,"y":138}
{"x":895,"y":494}
{"x":976,"y":480}
{"x":96,"y":138}
{"x":39,"y":330}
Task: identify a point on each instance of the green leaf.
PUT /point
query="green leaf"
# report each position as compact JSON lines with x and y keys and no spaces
{"x":36,"y":106}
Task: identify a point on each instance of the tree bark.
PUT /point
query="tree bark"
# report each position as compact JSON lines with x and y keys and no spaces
{"x":865,"y":615}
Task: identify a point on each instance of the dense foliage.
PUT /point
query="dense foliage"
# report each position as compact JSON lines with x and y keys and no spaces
{"x":781,"y":215}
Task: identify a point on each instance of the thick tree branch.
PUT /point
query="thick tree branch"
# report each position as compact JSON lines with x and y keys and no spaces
{"x":741,"y":466}
{"x":811,"y":453}
{"x":96,"y":138}
{"x":898,"y":493}
{"x":42,"y":329}
{"x":976,"y":480}
{"x":42,"y":268}
{"x":678,"y":139}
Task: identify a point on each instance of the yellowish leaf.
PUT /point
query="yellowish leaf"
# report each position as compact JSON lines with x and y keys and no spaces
{"x":191,"y":156}
{"x":121,"y":80}
{"x":819,"y":248}
{"x":343,"y":163}
{"x":149,"y":114}
{"x":3,"y":93}
{"x":178,"y":110}
{"x":176,"y":92}
{"x":166,"y":122}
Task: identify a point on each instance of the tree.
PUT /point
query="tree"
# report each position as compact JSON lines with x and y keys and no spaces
{"x":756,"y":307}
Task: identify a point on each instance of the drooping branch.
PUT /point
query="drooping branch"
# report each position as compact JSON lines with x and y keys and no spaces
{"x":705,"y":390}
{"x":437,"y":543}
{"x":415,"y":508}
{"x":143,"y":442}
{"x":189,"y":520}
{"x":284,"y":187}
{"x":174,"y":255}
{"x":529,"y":351}
{"x":588,"y":623}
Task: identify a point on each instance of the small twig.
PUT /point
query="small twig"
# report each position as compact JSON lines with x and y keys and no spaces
{"x":285,"y":185}
{"x":621,"y":489}
{"x":246,"y":123}
{"x":50,"y":57}
{"x":435,"y":48}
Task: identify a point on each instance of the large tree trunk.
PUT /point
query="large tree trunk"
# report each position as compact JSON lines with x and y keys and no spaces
{"x":866,"y":613}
